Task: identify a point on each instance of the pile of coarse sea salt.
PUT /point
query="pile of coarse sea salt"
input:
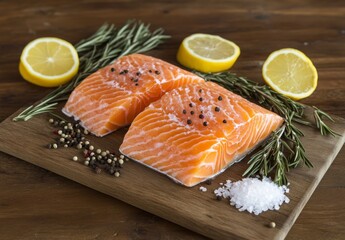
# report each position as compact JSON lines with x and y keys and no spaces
{"x":254,"y":195}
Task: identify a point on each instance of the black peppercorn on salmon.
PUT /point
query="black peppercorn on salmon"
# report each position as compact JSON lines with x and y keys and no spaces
{"x":113,"y":96}
{"x":195,"y":132}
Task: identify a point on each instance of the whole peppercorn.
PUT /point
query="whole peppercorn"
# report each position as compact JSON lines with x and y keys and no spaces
{"x":55,"y":146}
{"x":109,"y":160}
{"x":51,"y":120}
{"x":272,"y":225}
{"x":75,"y":158}
{"x":98,"y":151}
{"x":87,"y":163}
{"x":117,"y":174}
{"x":121,"y":161}
{"x":91,"y":147}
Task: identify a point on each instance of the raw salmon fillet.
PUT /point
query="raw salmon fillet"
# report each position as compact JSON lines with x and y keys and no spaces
{"x":195,"y":132}
{"x":113,"y":96}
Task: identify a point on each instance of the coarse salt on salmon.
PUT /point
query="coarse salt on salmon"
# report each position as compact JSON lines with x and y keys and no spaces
{"x":195,"y":132}
{"x":113,"y":96}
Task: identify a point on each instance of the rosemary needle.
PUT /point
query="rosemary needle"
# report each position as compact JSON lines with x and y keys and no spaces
{"x":99,"y":50}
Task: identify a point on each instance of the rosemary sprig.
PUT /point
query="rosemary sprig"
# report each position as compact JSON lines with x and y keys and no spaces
{"x":106,"y":45}
{"x":320,"y":124}
{"x":283,"y":149}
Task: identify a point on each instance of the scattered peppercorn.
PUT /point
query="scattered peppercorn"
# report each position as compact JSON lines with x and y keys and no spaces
{"x":200,"y":90}
{"x":150,"y":71}
{"x":224,"y":121}
{"x":138,"y":73}
{"x":184,"y":111}
{"x":136,"y":84}
{"x":220,"y":98}
{"x":189,"y":121}
{"x":192,"y":112}
{"x":219,"y":198}
{"x":191,"y":104}
{"x":205,"y":124}
{"x":112,"y":69}
{"x":136,"y":80}
{"x":201,"y":116}
{"x":72,"y":135}
{"x":272,"y":225}
{"x":217,"y":109}
{"x":200,"y":99}
{"x":157,"y":72}
{"x":125,"y":71}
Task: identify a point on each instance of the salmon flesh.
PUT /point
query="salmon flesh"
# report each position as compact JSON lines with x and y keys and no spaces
{"x":196,"y":131}
{"x":114,"y":95}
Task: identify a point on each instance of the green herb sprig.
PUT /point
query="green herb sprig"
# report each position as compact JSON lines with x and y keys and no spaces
{"x":283,"y":150}
{"x":106,"y":45}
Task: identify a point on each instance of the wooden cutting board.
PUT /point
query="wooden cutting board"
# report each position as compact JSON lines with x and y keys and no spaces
{"x":155,"y":193}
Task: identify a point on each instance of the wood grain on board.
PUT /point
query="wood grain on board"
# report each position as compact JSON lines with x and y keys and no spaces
{"x":38,"y":204}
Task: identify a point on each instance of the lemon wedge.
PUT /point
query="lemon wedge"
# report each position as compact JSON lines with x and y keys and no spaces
{"x":291,"y":73}
{"x":49,"y":62}
{"x":207,"y":53}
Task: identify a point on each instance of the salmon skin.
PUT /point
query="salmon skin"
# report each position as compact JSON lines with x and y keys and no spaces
{"x":195,"y":132}
{"x":113,"y":96}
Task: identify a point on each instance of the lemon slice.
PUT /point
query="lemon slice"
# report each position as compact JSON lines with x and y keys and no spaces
{"x":207,"y":53}
{"x":291,"y":73}
{"x":48,"y":62}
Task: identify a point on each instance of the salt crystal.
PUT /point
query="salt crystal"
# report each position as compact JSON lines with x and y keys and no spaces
{"x":254,"y":195}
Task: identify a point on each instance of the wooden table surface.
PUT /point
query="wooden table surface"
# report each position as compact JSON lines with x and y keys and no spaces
{"x":37,"y":204}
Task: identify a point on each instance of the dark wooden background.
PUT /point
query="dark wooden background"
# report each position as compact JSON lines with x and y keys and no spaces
{"x":37,"y":204}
